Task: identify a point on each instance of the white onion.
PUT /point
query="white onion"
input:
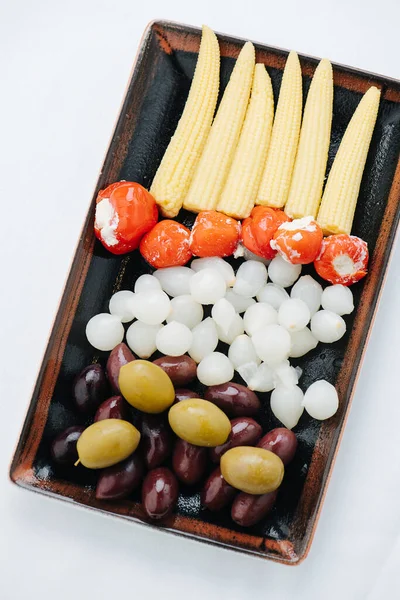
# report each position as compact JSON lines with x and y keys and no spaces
{"x":174,"y":339}
{"x":146,"y":282}
{"x":121,"y":305}
{"x":251,"y":276}
{"x":104,"y":331}
{"x":321,"y":400}
{"x":204,"y":341}
{"x":207,"y":286}
{"x":151,"y":307}
{"x":243,"y":252}
{"x":272,"y":344}
{"x":234,"y":330}
{"x":302,"y":342}
{"x":263,"y":379}
{"x":186,"y":310}
{"x":284,"y":374}
{"x":239,"y":303}
{"x":214,"y":369}
{"x":259,"y":315}
{"x":282,"y":272}
{"x":218,"y":264}
{"x":286,"y":405}
{"x":242,"y":351}
{"x":308,"y":290}
{"x":247,"y":371}
{"x":293,"y":314}
{"x":327,"y":326}
{"x":175,"y":280}
{"x":272,"y":294}
{"x":141,"y":338}
{"x":223,"y":314}
{"x":338,"y":299}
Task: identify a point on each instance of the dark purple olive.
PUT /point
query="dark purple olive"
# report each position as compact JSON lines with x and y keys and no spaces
{"x":119,"y":356}
{"x":63,"y":448}
{"x":121,"y":479}
{"x":180,"y":369}
{"x":90,"y":388}
{"x":156,"y":441}
{"x":182,"y":394}
{"x":217,"y":493}
{"x":280,"y":441}
{"x":234,"y":399}
{"x":189,"y":462}
{"x":248,"y":509}
{"x":245,"y":432}
{"x":159,"y":493}
{"x":113,"y":408}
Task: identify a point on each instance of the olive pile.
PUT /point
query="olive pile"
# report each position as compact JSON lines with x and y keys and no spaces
{"x":195,"y":433}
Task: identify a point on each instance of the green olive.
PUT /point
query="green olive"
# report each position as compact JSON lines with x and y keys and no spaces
{"x":199,"y":422}
{"x":146,"y":386}
{"x":106,"y":443}
{"x":252,"y":470}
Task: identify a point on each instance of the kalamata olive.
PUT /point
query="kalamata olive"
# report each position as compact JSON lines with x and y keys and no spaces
{"x":63,"y":448}
{"x":252,"y":470}
{"x":217,"y":492}
{"x":159,"y":493}
{"x":146,"y":386}
{"x":280,"y":441}
{"x":90,"y":388}
{"x":234,"y":399}
{"x":106,"y":443}
{"x":180,"y":369}
{"x":121,"y":479}
{"x":156,"y":443}
{"x":113,"y":408}
{"x":182,"y":394}
{"x":189,"y":462}
{"x":245,"y":431}
{"x":199,"y":422}
{"x":248,"y":509}
{"x":119,"y":356}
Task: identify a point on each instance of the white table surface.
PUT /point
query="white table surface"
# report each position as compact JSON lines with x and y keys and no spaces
{"x":64,"y":66}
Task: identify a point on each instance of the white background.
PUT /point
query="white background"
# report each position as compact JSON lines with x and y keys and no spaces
{"x":63,"y":70}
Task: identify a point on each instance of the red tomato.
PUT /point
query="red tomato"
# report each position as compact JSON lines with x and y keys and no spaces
{"x":125,"y":211}
{"x":265,"y":221}
{"x":166,"y":245}
{"x":247,"y":237}
{"x":299,"y":242}
{"x":343,"y":259}
{"x":214,"y":234}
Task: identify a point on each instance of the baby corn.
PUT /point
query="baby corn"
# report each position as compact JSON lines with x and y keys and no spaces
{"x":312,"y":154}
{"x":214,"y":164}
{"x":173,"y":177}
{"x":275,"y":182}
{"x":341,"y":192}
{"x":238,"y":195}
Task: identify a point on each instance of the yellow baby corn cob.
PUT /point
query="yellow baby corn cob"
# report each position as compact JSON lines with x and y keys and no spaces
{"x":275,"y":181}
{"x":238,"y":195}
{"x":218,"y":152}
{"x":178,"y":164}
{"x":312,"y":154}
{"x":341,"y":192}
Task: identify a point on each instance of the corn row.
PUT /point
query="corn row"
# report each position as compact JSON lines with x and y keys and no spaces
{"x":312,"y":154}
{"x":342,"y":188}
{"x":275,"y":182}
{"x":178,"y":164}
{"x":218,"y":152}
{"x":238,"y":196}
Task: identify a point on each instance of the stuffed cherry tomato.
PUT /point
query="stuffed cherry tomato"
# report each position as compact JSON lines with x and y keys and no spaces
{"x":247,"y":237}
{"x":298,"y":242}
{"x":343,"y":259}
{"x":166,"y":245}
{"x":258,"y":230}
{"x":214,"y":234}
{"x":125,"y":211}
